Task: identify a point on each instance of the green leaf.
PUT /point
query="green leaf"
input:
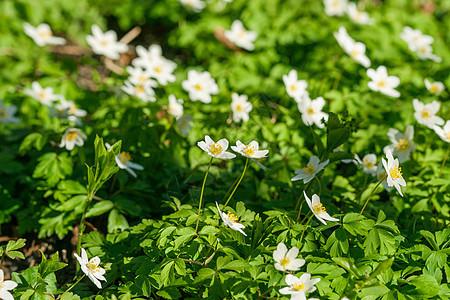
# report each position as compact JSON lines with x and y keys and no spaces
{"x":53,"y":167}
{"x":318,"y":143}
{"x":337,"y":243}
{"x":203,"y":274}
{"x":167,"y":274}
{"x":430,"y":238}
{"x":100,"y":208}
{"x":35,"y":140}
{"x":348,"y":264}
{"x":236,"y":265}
{"x":357,"y":224}
{"x":50,"y":266}
{"x":116,"y":221}
{"x":180,"y":267}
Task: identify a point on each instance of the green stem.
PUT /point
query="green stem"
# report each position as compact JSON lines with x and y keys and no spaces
{"x":71,"y":286}
{"x":201,"y":194}
{"x":367,"y":201}
{"x":304,"y":230}
{"x":240,"y":179}
{"x":320,"y":187}
{"x":299,"y":199}
{"x":229,"y":190}
{"x":212,"y":245}
{"x":445,"y":160}
{"x":301,"y":204}
{"x":83,"y":217}
{"x":271,"y":287}
{"x":362,"y":190}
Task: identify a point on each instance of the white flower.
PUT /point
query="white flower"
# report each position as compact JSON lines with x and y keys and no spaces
{"x":217,"y":150}
{"x":335,"y":7}
{"x":359,"y":17}
{"x":356,"y":50}
{"x":295,"y":88}
{"x":312,"y":111}
{"x":287,"y":260}
{"x":313,"y":167}
{"x":382,"y":82}
{"x":250,"y":150}
{"x":147,"y":57}
{"x":72,"y":137}
{"x":393,"y":171}
{"x":42,"y":35}
{"x":91,"y":268}
{"x":444,"y":133}
{"x":68,"y":109}
{"x":5,"y":286}
{"x":43,"y":95}
{"x":425,"y":114}
{"x":231,"y":221}
{"x":123,"y":161}
{"x":402,"y":144}
{"x":381,"y":174}
{"x":414,"y":38}
{"x":240,"y":107}
{"x":200,"y":86}
{"x":195,"y":5}
{"x":318,"y":209}
{"x":162,"y":70}
{"x":435,"y":88}
{"x":142,"y":91}
{"x":426,"y":52}
{"x":105,"y":43}
{"x":368,"y":163}
{"x":184,"y":124}
{"x":240,"y":36}
{"x":7,"y":114}
{"x":138,"y":75}
{"x":175,"y":107}
{"x":299,"y":287}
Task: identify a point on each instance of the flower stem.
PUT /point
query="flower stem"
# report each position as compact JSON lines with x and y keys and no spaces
{"x":445,"y":160}
{"x":71,"y":286}
{"x":368,"y":198}
{"x":301,"y":204}
{"x":237,"y":184}
{"x":201,"y":194}
{"x":318,"y":182}
{"x":212,"y":245}
{"x":304,"y":230}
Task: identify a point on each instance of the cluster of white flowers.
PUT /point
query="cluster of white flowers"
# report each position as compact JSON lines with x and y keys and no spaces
{"x":356,"y":50}
{"x":419,"y":43}
{"x":218,"y":149}
{"x":341,"y":7}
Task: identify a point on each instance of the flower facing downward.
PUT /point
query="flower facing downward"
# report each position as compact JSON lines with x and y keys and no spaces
{"x":295,"y":88}
{"x":200,"y":86}
{"x":312,"y":111}
{"x":368,"y":163}
{"x":299,"y":287}
{"x":402,"y":144}
{"x":240,"y":36}
{"x":313,"y":167}
{"x":240,"y":107}
{"x":217,"y":150}
{"x":5,"y":286}
{"x":425,"y":114}
{"x":91,"y":268}
{"x":444,"y":133}
{"x":382,"y":82}
{"x":250,"y":150}
{"x":175,"y":107}
{"x":356,"y":50}
{"x":393,"y":171}
{"x":231,"y":221}
{"x":434,"y":88}
{"x":42,"y":35}
{"x":287,"y":260}
{"x":72,"y":137}
{"x":105,"y":43}
{"x":318,"y":209}
{"x":44,"y":95}
{"x":123,"y":160}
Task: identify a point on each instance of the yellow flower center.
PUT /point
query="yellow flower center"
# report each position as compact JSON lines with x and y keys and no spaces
{"x":354,"y":53}
{"x":426,"y":113}
{"x":104,"y":42}
{"x":319,"y":208}
{"x":368,"y":163}
{"x":72,"y":110}
{"x":143,"y":78}
{"x":285,"y":261}
{"x":434,"y":88}
{"x":423,"y":50}
{"x":402,"y":145}
{"x":309,"y":168}
{"x":298,"y":287}
{"x":139,"y":89}
{"x":216,"y":149}
{"x":249,"y":150}
{"x":242,"y":33}
{"x":239,"y":108}
{"x":71,"y":136}
{"x":45,"y":34}
{"x":336,"y":3}
{"x":382,"y":83}
{"x":158,"y":69}
{"x":396,"y":172}
{"x":198,"y":87}
{"x":232,"y":218}
{"x":293,"y":87}
{"x":42,"y":95}
{"x":310,"y":111}
{"x":448,"y":135}
{"x":125,"y":157}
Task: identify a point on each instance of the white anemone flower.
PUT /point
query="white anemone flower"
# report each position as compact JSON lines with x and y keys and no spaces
{"x":435,"y":88}
{"x":318,"y":209}
{"x":91,"y":268}
{"x":335,"y":7}
{"x":359,"y":17}
{"x":42,"y":35}
{"x":295,"y":88}
{"x":7,"y":114}
{"x":402,"y":144}
{"x":313,"y":167}
{"x":425,"y":114}
{"x":251,"y":150}
{"x":217,"y":150}
{"x":240,"y":107}
{"x":414,"y":38}
{"x":231,"y":221}
{"x":382,"y":82}
{"x":68,"y":109}
{"x":162,"y":70}
{"x":312,"y":111}
{"x":426,"y":52}
{"x":175,"y":107}
{"x":195,"y":5}
{"x":44,"y":95}
{"x":241,"y":37}
{"x":72,"y":137}
{"x":105,"y":43}
{"x":184,"y":124}
{"x":356,"y":50}
{"x":143,"y":91}
{"x":444,"y":133}
{"x":287,"y":260}
{"x":394,"y":172}
{"x":381,"y":175}
{"x":368,"y":163}
{"x":200,"y":86}
{"x":138,"y":75}
{"x":299,"y":287}
{"x":147,"y":57}
{"x":123,"y":161}
{"x":5,"y":287}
